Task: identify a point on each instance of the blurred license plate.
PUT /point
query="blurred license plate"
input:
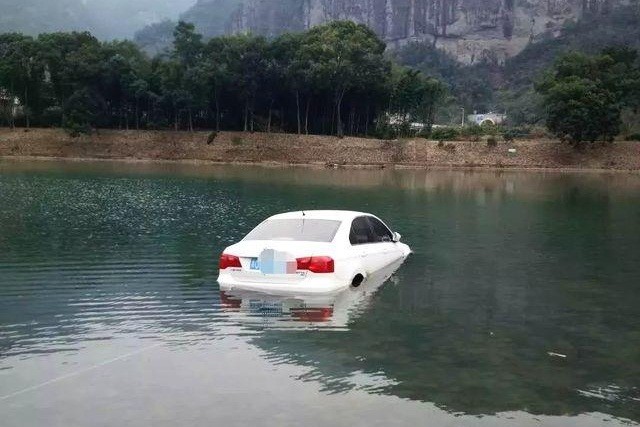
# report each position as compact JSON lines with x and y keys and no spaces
{"x":255,"y":264}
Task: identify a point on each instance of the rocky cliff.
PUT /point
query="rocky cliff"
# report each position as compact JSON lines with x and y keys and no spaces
{"x":471,"y":30}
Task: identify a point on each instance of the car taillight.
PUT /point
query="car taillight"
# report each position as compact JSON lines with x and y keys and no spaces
{"x":227,"y":261}
{"x":316,"y":264}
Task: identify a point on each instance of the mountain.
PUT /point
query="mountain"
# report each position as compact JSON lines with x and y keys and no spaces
{"x":471,"y":30}
{"x":107,"y":19}
{"x":211,"y":17}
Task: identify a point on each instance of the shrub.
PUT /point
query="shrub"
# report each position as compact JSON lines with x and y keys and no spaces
{"x":489,"y":129}
{"x":440,"y":144}
{"x":385,"y":131}
{"x":75,"y":129}
{"x":492,"y":141}
{"x":633,"y":137}
{"x":444,"y":133}
{"x":212,"y":136}
{"x":511,"y":134}
{"x":472,"y":132}
{"x":236,"y":140}
{"x":52,"y":116}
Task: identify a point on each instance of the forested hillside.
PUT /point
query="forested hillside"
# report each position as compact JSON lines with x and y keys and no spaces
{"x":510,"y":87}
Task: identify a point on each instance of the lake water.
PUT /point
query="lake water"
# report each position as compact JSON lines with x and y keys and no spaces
{"x":520,"y":305}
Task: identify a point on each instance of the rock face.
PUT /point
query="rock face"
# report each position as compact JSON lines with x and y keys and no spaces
{"x":470,"y":30}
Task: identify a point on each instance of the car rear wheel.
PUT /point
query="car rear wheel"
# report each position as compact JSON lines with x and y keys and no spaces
{"x":357,"y":281}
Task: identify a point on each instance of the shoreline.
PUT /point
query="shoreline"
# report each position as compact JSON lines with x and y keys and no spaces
{"x":276,"y":165}
{"x":287,"y":150}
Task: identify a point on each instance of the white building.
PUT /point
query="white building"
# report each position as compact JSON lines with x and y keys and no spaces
{"x":9,"y":105}
{"x":490,"y":118}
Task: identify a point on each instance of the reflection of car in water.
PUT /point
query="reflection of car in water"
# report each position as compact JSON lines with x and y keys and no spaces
{"x":310,"y":253}
{"x":289,"y":310}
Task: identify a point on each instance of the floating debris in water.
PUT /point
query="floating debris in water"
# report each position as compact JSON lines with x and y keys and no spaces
{"x":552,"y":354}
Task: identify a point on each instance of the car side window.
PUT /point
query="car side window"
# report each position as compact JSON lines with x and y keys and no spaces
{"x":381,"y":232}
{"x":361,"y":232}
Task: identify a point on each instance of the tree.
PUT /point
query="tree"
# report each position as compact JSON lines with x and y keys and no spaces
{"x":332,"y":79}
{"x":414,"y":97}
{"x":245,"y":56}
{"x":342,"y":55}
{"x":21,"y":72}
{"x":584,"y":95}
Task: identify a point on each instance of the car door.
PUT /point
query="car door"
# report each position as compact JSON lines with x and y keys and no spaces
{"x":388,"y":250}
{"x":363,"y":244}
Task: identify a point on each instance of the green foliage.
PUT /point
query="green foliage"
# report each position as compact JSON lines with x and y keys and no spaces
{"x":414,"y":98}
{"x":333,"y":79}
{"x":584,"y":95}
{"x":344,"y":57}
{"x":211,"y":137}
{"x":513,"y":133}
{"x":81,"y":112}
{"x":469,"y":85}
{"x":472,"y":131}
{"x":492,"y":141}
{"x":633,"y":137}
{"x":444,"y":133}
{"x":385,"y":131}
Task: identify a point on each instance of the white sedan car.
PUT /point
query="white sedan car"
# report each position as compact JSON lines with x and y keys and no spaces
{"x":310,"y":253}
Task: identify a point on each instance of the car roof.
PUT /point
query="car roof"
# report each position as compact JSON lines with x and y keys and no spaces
{"x":336,"y":215}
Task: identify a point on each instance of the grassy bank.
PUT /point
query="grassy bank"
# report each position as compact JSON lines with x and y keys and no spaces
{"x":237,"y":147}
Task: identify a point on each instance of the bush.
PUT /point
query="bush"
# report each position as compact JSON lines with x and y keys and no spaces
{"x":444,"y":133}
{"x":75,"y":130}
{"x":510,"y":134}
{"x":492,"y":141}
{"x":236,"y":140}
{"x":633,"y":137}
{"x":489,"y":129}
{"x":385,"y":131}
{"x":52,"y":116}
{"x":472,"y":131}
{"x":212,"y":136}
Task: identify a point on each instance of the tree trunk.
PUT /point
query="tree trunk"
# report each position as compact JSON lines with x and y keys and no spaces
{"x":26,"y":106}
{"x":298,"y":111}
{"x":306,"y":116}
{"x":137,"y":114}
{"x":352,"y":118}
{"x":175,"y":119}
{"x":217,"y":112}
{"x":246,"y":116}
{"x":339,"y":126}
{"x":269,"y":119}
{"x":366,"y":122}
{"x":190,"y":120}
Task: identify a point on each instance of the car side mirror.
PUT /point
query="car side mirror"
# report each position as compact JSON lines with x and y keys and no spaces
{"x":396,"y":237}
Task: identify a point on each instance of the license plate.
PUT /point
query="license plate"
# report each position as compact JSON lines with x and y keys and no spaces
{"x":255,"y":264}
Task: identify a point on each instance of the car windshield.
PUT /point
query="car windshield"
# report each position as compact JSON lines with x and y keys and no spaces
{"x":295,"y":229}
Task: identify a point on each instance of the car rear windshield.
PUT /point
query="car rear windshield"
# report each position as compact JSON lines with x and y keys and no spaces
{"x":297,"y":230}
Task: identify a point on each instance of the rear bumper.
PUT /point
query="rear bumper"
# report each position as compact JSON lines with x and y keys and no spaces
{"x":314,"y":285}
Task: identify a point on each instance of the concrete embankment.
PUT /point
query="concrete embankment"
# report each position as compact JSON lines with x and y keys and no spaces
{"x":238,"y":147}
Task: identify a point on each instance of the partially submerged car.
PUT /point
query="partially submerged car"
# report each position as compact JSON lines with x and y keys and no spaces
{"x":310,"y":253}
{"x":286,"y":311}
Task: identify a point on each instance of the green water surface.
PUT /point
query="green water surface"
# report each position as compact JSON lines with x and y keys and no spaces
{"x":520,"y":305}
